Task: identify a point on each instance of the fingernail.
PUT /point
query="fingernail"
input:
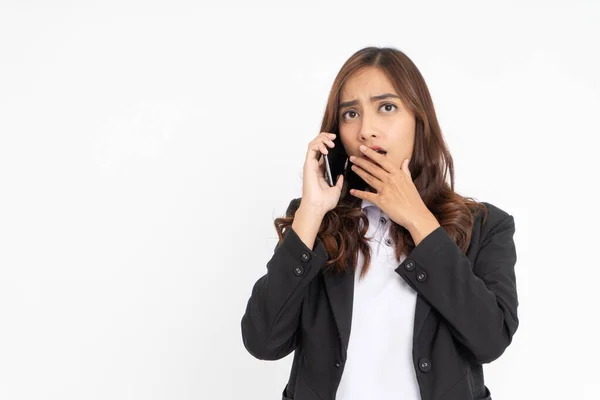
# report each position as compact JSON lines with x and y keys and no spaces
{"x":363,"y":147}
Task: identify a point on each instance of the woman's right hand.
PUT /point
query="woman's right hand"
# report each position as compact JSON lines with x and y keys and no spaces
{"x":316,"y":192}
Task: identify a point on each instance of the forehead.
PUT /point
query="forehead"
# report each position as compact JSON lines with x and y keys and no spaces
{"x":367,"y":82}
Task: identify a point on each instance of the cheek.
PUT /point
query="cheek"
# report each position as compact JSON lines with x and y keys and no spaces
{"x":345,"y":143}
{"x":395,"y":159}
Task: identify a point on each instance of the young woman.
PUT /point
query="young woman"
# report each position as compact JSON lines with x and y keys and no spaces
{"x":387,"y":285}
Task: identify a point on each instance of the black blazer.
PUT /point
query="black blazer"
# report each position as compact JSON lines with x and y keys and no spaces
{"x":466,"y":311}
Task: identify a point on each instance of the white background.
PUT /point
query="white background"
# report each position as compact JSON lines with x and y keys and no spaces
{"x":146,"y":148}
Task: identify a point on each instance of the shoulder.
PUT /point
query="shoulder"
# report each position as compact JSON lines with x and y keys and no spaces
{"x":497,"y":219}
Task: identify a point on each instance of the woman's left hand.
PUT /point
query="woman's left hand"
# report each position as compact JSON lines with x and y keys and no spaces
{"x":397,"y":195}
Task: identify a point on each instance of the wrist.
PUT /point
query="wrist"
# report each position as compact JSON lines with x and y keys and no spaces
{"x":306,"y":224}
{"x":313,"y":211}
{"x":310,"y":212}
{"x":422,"y":226}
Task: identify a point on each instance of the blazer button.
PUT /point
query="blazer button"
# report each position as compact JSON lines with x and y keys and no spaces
{"x":338,"y":364}
{"x":299,"y":270}
{"x":305,"y":256}
{"x":422,"y":276}
{"x":410,"y":265}
{"x":388,"y":241}
{"x":424,"y":364}
{"x":382,"y":220}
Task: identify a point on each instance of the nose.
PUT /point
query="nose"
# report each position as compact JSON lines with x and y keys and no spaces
{"x":367,"y":129}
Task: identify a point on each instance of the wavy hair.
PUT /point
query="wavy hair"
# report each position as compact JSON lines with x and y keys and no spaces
{"x":429,"y":165}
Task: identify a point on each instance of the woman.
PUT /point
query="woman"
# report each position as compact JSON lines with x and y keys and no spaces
{"x":387,"y":285}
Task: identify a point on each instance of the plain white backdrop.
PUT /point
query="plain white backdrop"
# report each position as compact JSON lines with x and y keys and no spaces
{"x":146,"y":147}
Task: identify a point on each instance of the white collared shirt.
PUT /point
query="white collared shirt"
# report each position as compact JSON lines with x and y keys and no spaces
{"x":379,"y":364}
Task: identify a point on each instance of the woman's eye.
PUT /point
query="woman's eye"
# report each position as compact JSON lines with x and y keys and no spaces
{"x":348,"y":112}
{"x":383,"y":105}
{"x":389,"y":104}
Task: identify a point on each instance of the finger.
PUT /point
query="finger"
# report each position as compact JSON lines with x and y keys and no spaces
{"x":363,"y":195}
{"x":328,"y":137}
{"x":323,"y":149}
{"x":367,"y":177}
{"x":369,"y":166}
{"x":314,"y":150}
{"x":339,"y":183}
{"x":379,"y":158}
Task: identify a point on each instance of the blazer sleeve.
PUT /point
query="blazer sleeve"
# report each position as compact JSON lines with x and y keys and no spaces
{"x":479,"y":301}
{"x":271,"y":320}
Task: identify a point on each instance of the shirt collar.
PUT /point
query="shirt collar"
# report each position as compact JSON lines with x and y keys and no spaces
{"x":366,"y":203}
{"x":372,"y":208}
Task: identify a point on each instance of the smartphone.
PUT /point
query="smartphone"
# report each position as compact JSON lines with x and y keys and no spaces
{"x":328,"y":174}
{"x":335,"y":160}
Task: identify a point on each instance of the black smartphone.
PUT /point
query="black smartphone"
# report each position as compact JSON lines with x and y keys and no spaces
{"x":335,"y":160}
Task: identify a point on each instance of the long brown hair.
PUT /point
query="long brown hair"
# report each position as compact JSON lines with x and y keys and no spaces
{"x":428,"y":166}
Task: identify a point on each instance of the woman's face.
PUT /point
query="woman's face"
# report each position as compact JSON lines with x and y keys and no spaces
{"x":383,"y":122}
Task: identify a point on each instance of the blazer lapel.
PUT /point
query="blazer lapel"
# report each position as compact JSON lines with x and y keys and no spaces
{"x":421,"y":311}
{"x":340,"y":291}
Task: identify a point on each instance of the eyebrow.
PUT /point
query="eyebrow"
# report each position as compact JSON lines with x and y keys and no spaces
{"x":374,"y":98}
